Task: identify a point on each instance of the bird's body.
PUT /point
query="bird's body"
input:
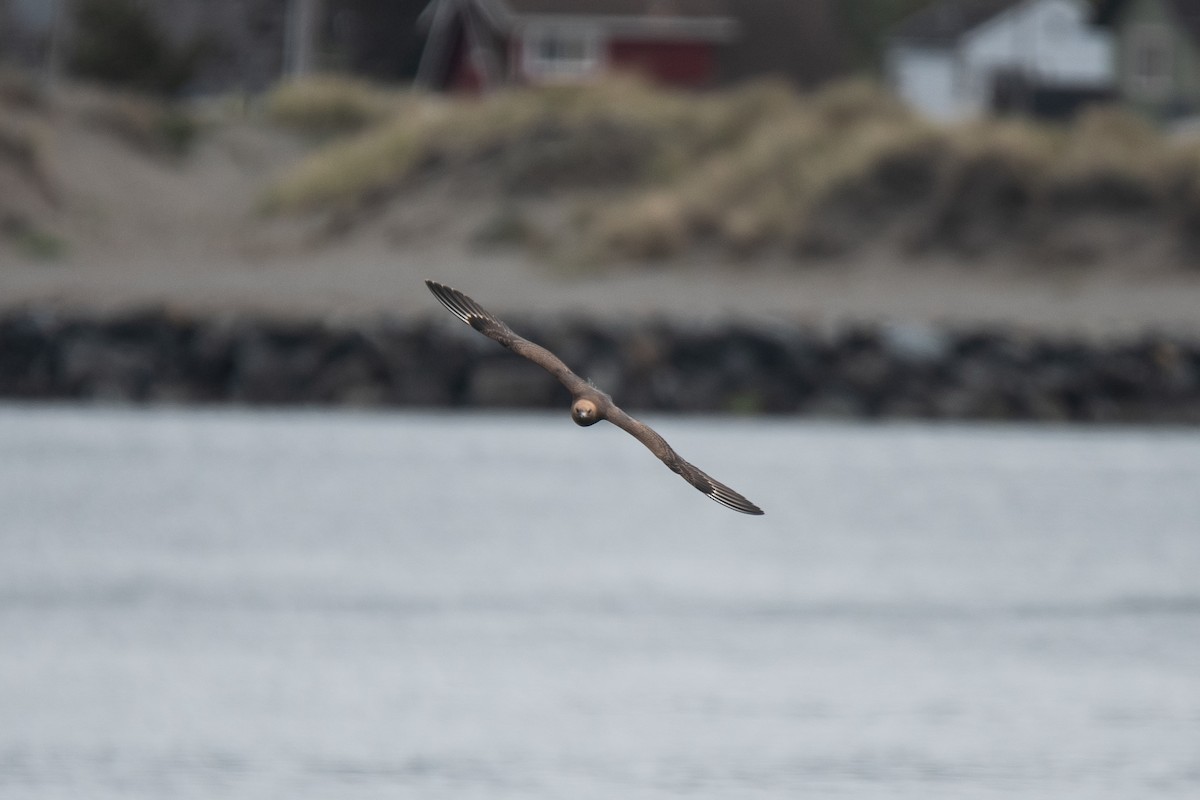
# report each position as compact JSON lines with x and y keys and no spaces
{"x":589,"y":405}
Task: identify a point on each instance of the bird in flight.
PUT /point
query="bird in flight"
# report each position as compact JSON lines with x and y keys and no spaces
{"x":589,"y":405}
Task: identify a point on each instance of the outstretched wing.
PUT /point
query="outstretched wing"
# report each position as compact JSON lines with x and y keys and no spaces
{"x":483,"y":321}
{"x":658,"y":445}
{"x":486,"y":323}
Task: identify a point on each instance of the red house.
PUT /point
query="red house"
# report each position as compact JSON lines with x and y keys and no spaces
{"x":479,"y":44}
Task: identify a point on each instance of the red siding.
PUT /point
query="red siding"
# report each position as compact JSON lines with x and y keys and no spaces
{"x":462,"y":77}
{"x":688,"y":64}
{"x":466,"y":78}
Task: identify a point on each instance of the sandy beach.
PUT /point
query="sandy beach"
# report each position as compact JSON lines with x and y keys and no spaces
{"x":144,"y":230}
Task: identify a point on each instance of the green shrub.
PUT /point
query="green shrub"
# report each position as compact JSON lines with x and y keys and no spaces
{"x":117,"y":42}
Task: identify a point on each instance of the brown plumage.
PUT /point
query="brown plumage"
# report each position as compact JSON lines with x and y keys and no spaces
{"x":589,"y":404}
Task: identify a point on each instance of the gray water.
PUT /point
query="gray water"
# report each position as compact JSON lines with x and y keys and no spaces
{"x":337,"y":605}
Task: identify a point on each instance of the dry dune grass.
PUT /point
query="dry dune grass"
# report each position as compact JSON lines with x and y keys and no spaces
{"x":649,"y":174}
{"x":750,"y":168}
{"x":329,"y":105}
{"x":834,"y":174}
{"x":766,"y":185}
{"x":619,"y":131}
{"x":29,"y":197}
{"x":575,"y":179}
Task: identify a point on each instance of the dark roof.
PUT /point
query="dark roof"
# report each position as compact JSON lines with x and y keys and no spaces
{"x":805,"y":42}
{"x":696,"y":19}
{"x":1106,"y":11}
{"x":942,"y":23}
{"x":1187,"y":13}
{"x":691,"y":9}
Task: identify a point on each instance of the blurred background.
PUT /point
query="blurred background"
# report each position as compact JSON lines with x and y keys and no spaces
{"x":919,"y":277}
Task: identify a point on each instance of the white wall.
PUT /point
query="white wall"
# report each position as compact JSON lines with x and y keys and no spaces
{"x":924,"y":79}
{"x":1050,"y":41}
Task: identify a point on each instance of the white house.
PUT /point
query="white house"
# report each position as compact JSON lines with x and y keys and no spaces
{"x":956,"y":58}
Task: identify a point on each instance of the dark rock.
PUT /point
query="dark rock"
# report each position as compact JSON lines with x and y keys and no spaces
{"x":27,"y":354}
{"x":512,"y":383}
{"x":271,"y":369}
{"x":151,"y":356}
{"x":91,"y":365}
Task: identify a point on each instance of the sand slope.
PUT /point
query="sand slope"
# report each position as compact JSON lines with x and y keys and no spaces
{"x":143,"y":228}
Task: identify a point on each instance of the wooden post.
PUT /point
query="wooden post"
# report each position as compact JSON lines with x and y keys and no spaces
{"x":53,"y":67}
{"x":300,"y":37}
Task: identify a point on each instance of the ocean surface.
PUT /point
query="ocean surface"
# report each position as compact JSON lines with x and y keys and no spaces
{"x":264,"y":604}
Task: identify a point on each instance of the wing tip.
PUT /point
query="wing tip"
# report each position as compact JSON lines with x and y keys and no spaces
{"x":455,"y":301}
{"x":742,"y":506}
{"x":438,"y":289}
{"x":731,"y":499}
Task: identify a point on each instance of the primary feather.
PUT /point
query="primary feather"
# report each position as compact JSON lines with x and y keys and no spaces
{"x":491,"y":326}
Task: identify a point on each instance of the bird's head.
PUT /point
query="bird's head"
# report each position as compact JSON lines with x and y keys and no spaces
{"x":585,"y":412}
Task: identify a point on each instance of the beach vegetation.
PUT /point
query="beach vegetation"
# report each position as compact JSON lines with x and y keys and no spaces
{"x":660,"y":174}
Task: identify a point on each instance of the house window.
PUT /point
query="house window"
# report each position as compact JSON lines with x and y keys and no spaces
{"x":562,"y":54}
{"x":1150,"y":61}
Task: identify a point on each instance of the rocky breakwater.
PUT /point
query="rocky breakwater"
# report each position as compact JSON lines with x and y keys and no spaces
{"x":156,"y":356}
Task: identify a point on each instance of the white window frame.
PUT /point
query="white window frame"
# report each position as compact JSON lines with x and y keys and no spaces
{"x":562,"y":53}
